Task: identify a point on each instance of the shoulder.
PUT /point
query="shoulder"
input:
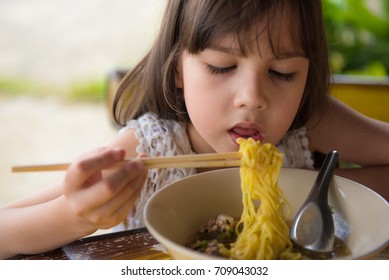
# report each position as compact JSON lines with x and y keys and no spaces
{"x":127,"y":141}
{"x":153,"y":136}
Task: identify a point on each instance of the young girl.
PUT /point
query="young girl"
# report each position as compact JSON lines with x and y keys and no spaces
{"x":218,"y":70}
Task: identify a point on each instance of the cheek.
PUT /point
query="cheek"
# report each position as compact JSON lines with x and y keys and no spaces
{"x":200,"y":104}
{"x":285,"y":114}
{"x":294,"y":96}
{"x":201,"y":94}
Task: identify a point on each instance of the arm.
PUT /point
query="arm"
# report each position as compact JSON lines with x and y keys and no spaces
{"x":84,"y":202}
{"x":358,"y":139}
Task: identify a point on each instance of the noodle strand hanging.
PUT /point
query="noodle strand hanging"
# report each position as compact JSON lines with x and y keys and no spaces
{"x":263,"y":229}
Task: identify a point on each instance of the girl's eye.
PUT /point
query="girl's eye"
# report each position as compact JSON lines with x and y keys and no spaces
{"x":282,"y":76}
{"x":220,"y":70}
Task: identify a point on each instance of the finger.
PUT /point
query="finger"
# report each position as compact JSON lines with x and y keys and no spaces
{"x":128,"y":198}
{"x":90,"y":199}
{"x":103,"y":160}
{"x":142,"y":155}
{"x":124,"y":210}
{"x":85,"y":168}
{"x":117,"y":209}
{"x":107,"y":214}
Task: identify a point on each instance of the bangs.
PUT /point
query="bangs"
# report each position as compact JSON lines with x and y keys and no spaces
{"x":211,"y":21}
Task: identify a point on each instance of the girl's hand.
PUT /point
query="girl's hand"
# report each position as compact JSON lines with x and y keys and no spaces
{"x":99,"y":201}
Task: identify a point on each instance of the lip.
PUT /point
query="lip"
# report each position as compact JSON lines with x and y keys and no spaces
{"x":246,"y":130}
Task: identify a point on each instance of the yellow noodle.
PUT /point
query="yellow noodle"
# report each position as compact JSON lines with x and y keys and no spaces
{"x":263,"y":223}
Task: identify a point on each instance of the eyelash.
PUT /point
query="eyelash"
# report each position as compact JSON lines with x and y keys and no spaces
{"x":220,"y":70}
{"x":223,"y":70}
{"x":282,"y":76}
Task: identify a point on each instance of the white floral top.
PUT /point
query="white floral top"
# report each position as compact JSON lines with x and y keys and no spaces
{"x":159,"y":137}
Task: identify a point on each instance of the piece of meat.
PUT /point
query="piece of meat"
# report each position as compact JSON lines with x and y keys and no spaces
{"x":219,"y":224}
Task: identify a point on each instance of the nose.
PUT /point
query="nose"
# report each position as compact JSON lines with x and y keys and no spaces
{"x":251,"y":94}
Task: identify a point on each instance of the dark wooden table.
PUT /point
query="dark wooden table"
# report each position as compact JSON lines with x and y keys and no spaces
{"x":126,"y":245}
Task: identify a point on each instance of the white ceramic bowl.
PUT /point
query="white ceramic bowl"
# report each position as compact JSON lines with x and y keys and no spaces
{"x":175,"y":213}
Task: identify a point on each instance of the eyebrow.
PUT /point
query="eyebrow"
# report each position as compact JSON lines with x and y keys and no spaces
{"x":227,"y":50}
{"x":287,"y":55}
{"x":238,"y":52}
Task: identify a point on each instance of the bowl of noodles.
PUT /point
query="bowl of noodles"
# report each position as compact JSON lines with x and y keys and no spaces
{"x":221,"y":214}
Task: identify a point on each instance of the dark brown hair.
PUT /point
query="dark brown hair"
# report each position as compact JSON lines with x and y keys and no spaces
{"x":193,"y":25}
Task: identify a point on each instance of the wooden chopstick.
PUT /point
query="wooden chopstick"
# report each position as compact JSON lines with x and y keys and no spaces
{"x":229,"y":159}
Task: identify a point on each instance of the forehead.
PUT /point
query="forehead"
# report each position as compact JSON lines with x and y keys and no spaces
{"x":278,"y":41}
{"x":205,"y":23}
{"x":248,"y":22}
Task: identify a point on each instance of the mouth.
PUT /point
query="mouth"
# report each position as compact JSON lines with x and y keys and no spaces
{"x":245,"y":132}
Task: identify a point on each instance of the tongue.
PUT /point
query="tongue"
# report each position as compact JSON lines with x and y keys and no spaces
{"x":245,"y":132}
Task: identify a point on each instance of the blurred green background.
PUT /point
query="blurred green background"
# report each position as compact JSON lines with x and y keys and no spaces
{"x":358,"y":36}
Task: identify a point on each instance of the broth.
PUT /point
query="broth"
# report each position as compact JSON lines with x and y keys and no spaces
{"x":215,"y":237}
{"x":340,"y":250}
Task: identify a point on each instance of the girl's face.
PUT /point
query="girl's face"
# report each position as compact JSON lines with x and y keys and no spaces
{"x":230,"y":95}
